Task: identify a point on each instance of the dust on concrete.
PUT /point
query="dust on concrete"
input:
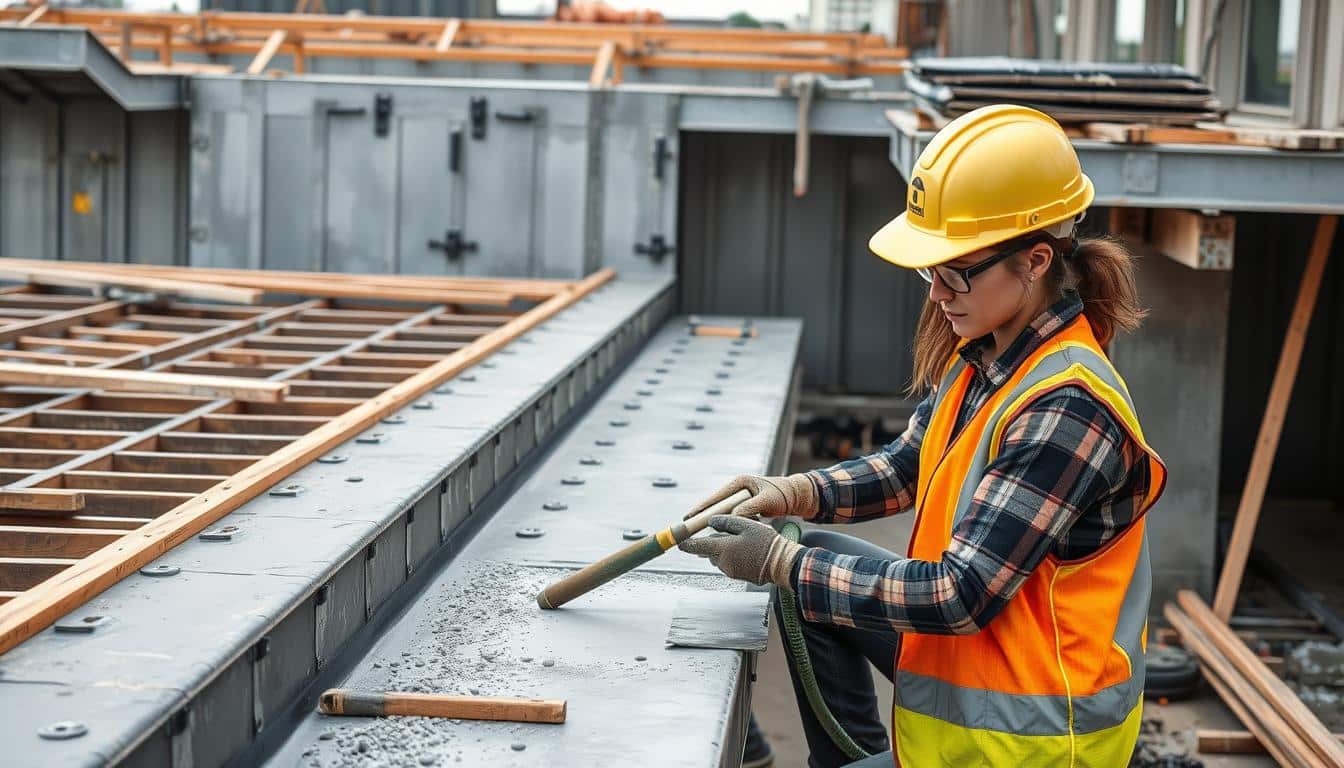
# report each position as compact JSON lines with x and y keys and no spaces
{"x":480,"y":635}
{"x":1315,"y":670}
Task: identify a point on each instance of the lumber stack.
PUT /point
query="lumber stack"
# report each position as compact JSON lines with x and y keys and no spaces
{"x":1271,"y":712}
{"x":1076,"y":93}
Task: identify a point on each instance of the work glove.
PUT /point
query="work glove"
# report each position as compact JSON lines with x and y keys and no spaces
{"x":789,"y":496}
{"x":745,"y":549}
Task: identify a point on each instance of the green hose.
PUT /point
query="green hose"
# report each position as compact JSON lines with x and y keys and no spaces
{"x":802,"y":664}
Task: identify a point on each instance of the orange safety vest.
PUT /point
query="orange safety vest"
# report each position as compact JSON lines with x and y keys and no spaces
{"x":1056,"y":679}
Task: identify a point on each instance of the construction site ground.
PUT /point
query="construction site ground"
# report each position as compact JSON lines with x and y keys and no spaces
{"x":777,"y":713}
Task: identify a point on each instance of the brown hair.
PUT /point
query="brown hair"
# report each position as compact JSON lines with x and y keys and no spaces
{"x":1101,"y":270}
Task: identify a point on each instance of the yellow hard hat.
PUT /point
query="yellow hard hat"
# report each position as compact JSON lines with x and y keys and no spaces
{"x":987,"y":177}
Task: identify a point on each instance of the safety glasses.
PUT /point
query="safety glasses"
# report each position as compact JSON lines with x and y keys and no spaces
{"x":958,"y":279}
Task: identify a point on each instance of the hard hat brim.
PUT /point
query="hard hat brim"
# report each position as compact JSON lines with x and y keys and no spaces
{"x":906,"y":246}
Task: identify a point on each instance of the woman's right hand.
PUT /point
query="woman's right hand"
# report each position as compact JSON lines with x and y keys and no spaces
{"x":786,"y":496}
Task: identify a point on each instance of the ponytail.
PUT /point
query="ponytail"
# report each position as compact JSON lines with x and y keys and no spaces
{"x":1101,"y":270}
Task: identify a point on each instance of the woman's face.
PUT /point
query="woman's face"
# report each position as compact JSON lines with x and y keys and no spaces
{"x":997,"y":295}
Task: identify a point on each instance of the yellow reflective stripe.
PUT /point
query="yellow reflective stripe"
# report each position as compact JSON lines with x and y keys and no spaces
{"x":921,"y":740}
{"x":1075,"y":372}
{"x":665,"y":539}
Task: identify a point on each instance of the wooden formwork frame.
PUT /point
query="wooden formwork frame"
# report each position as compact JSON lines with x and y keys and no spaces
{"x":97,"y":484}
{"x":606,"y":48}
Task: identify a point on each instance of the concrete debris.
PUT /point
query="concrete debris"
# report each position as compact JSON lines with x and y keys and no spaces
{"x":1316,"y":663}
{"x":1159,"y":749}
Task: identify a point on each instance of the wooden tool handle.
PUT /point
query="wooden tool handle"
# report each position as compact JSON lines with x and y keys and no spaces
{"x":592,"y":576}
{"x":344,"y":701}
{"x":725,"y":331}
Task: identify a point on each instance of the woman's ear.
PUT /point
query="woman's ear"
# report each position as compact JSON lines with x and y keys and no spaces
{"x":1039,"y":259}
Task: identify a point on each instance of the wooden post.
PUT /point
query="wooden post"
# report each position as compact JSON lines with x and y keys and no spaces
{"x":267,"y":52}
{"x":32,"y":18}
{"x":300,"y":61}
{"x":1271,"y":425}
{"x":446,"y":37}
{"x":124,"y":47}
{"x":166,"y":46}
{"x":601,"y":64}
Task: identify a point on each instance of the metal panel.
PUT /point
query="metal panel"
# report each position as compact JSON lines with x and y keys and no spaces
{"x":428,"y":189}
{"x":748,"y":245}
{"x":360,"y":202}
{"x":94,"y":179}
{"x":504,"y":188}
{"x":156,"y":187}
{"x":290,"y":168}
{"x":220,"y":188}
{"x":43,"y":49}
{"x":29,"y":183}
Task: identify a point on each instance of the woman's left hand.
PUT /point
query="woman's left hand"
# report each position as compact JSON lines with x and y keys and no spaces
{"x":745,"y":549}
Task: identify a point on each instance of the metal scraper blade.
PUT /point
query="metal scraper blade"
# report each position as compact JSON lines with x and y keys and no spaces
{"x":732,"y":620}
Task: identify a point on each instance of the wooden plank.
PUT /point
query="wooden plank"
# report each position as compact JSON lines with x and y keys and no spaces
{"x":162,"y":462}
{"x":42,"y":500}
{"x":30,"y":613}
{"x":1279,"y":695}
{"x":8,"y":476}
{"x":50,"y":541}
{"x":356,"y":389}
{"x":57,"y":439}
{"x":144,"y":381}
{"x":239,"y":423}
{"x":442,"y":333}
{"x":1283,"y":138}
{"x":1194,"y":239}
{"x":446,"y":37}
{"x":22,"y":573}
{"x":64,"y":362}
{"x":80,"y":346}
{"x":418,"y":347}
{"x":1146,"y":133}
{"x":229,"y":370}
{"x":1240,"y":696}
{"x":34,"y":458}
{"x":80,"y":522}
{"x":144,"y":402}
{"x":205,"y":310}
{"x":1271,"y":424}
{"x":131,"y":503}
{"x":139,"y":481}
{"x":109,"y":420}
{"x":1212,"y":741}
{"x":602,"y":65}
{"x":212,"y":442}
{"x":107,"y":311}
{"x":325,"y":330}
{"x":174,"y":323}
{"x":306,"y":406}
{"x":91,"y":278}
{"x":33,"y":17}
{"x":366,"y":317}
{"x":359,"y":373}
{"x":48,"y":301}
{"x":126,"y":334}
{"x":294,"y":343}
{"x":390,"y":359}
{"x":267,"y":52}
{"x":263,"y":356}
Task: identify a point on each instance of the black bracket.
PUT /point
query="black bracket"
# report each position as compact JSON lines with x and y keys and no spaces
{"x":452,"y":244}
{"x":478,"y":112}
{"x":521,"y":116}
{"x":455,"y":150}
{"x":661,"y":154}
{"x":656,"y":248}
{"x":382,"y":114}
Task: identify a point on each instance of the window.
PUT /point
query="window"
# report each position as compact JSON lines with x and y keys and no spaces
{"x":1128,"y":31}
{"x":1271,"y":51}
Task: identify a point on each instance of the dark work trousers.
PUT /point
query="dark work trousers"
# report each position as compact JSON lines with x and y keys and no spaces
{"x":840,"y":657}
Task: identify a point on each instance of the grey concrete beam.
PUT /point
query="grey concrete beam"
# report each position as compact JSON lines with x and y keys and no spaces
{"x":1202,"y":177}
{"x":65,"y":49}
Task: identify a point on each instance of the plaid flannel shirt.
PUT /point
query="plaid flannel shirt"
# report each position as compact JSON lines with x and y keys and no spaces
{"x":1067,"y":480}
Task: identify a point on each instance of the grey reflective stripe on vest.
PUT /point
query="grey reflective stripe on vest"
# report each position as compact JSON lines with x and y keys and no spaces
{"x":1033,"y":715}
{"x":1024,"y":715}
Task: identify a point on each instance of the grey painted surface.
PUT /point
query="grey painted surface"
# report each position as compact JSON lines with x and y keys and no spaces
{"x":605,"y":652}
{"x":128,"y":166}
{"x":193,"y":662}
{"x":1206,"y":177}
{"x":1172,"y":365}
{"x":749,"y":245}
{"x":71,"y":61}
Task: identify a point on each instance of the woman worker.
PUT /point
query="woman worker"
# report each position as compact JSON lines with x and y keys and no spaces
{"x":1013,"y":627}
